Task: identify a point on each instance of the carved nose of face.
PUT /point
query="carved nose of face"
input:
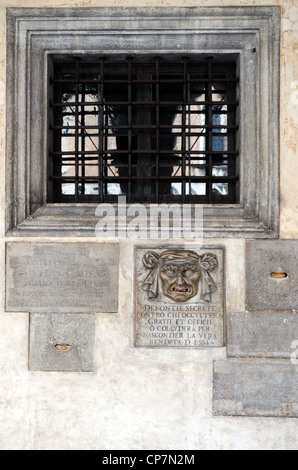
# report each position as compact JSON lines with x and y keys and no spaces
{"x":180,"y":286}
{"x":180,"y":281}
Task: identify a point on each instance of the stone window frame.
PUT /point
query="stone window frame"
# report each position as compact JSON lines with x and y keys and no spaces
{"x":34,"y":34}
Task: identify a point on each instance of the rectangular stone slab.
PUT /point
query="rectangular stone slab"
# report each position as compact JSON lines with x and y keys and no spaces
{"x":169,"y":312}
{"x":264,"y":292}
{"x":62,"y":277}
{"x":62,"y":342}
{"x":255,"y":387}
{"x":261,"y":334}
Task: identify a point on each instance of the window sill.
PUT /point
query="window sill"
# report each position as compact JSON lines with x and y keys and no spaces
{"x":73,"y":220}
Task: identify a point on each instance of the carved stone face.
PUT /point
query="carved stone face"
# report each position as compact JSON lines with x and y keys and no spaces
{"x":180,"y":278}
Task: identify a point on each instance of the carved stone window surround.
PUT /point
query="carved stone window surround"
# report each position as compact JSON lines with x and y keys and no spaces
{"x":33,"y":34}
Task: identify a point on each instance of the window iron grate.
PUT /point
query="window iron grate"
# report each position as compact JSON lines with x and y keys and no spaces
{"x":155,"y":130}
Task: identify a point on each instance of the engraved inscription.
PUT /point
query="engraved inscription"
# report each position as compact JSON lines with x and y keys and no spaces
{"x":178,"y":302}
{"x":72,"y":277}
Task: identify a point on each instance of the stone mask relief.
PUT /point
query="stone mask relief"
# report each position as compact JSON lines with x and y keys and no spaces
{"x":180,"y":273}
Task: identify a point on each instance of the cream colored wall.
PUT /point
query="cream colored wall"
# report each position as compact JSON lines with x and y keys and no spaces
{"x":141,"y":399}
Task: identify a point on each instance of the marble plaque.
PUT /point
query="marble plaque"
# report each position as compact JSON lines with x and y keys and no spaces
{"x":179,"y":297}
{"x":62,"y":277}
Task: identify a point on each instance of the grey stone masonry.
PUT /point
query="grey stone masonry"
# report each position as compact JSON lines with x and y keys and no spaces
{"x":260,"y":378}
{"x":272,"y":275}
{"x":261,"y":334}
{"x":62,"y":277}
{"x":255,"y":387}
{"x":62,"y":342}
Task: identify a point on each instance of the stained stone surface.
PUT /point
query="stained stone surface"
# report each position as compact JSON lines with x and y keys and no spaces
{"x":62,"y":277}
{"x":62,"y":342}
{"x":179,"y":297}
{"x":255,"y":387}
{"x":264,"y":292}
{"x":261,"y":334}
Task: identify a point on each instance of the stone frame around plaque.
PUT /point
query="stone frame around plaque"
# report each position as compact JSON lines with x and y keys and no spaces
{"x":179,"y":299}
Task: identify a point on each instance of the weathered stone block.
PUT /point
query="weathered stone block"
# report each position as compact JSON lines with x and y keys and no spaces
{"x":255,"y":387}
{"x":62,"y":342}
{"x":62,"y":277}
{"x":261,"y":334}
{"x":179,"y":297}
{"x":272,"y":275}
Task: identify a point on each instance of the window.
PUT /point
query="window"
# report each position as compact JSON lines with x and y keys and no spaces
{"x":156,"y":129}
{"x":230,"y":164}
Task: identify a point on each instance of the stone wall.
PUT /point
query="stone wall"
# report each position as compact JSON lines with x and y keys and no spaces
{"x":139,"y":398}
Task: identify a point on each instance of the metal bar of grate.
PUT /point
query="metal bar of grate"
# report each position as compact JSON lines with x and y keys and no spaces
{"x":147,"y":178}
{"x":77,"y":122}
{"x":207,"y":102}
{"x":153,"y":151}
{"x":129,"y":143}
{"x":134,"y":82}
{"x":209,"y":117}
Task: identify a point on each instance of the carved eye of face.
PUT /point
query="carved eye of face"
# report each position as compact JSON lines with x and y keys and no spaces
{"x":187,"y":273}
{"x":190,"y":270}
{"x":170,"y":270}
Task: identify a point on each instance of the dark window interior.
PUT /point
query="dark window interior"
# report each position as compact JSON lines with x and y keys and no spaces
{"x":156,"y":129}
